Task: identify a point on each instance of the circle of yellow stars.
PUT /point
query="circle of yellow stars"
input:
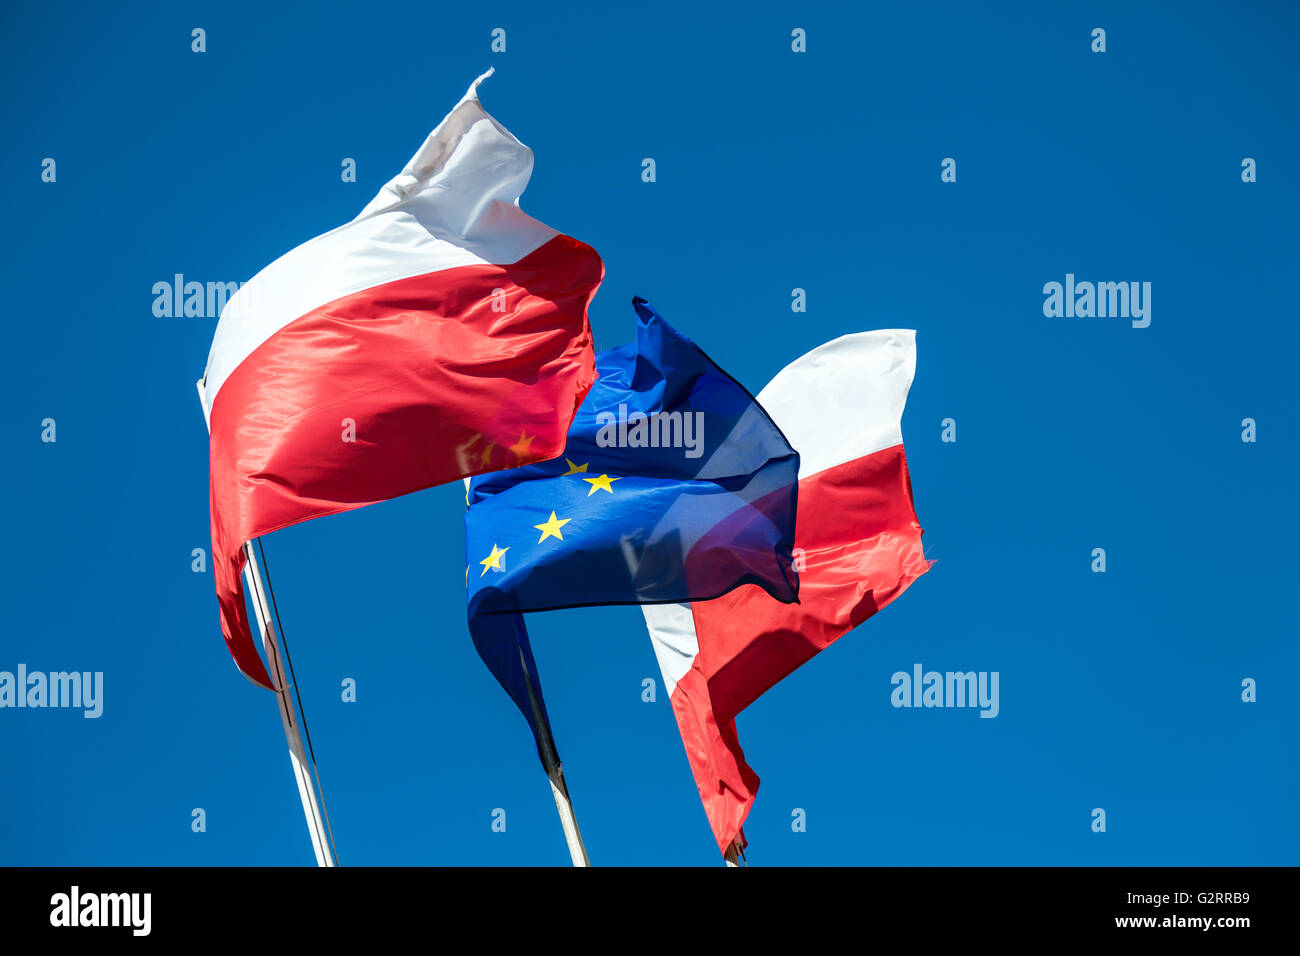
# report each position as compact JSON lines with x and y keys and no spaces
{"x":551,"y":527}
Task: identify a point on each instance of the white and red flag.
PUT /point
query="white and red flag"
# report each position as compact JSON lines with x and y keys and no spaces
{"x":440,"y":334}
{"x":857,"y":547}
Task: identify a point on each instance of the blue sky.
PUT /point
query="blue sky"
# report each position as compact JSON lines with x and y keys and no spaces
{"x":775,"y":170}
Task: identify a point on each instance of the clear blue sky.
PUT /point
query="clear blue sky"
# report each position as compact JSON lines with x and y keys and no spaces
{"x":775,"y":170}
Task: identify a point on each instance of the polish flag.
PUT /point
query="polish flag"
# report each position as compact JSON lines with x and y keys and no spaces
{"x":440,"y":334}
{"x":857,"y":547}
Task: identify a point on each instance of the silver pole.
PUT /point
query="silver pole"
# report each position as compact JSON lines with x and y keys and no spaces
{"x":316,"y":825}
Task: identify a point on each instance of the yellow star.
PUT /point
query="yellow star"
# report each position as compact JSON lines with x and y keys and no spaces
{"x":574,"y":469}
{"x":486,"y":456}
{"x":551,"y":528}
{"x":601,"y":482}
{"x":493,"y":560}
{"x":520,"y":448}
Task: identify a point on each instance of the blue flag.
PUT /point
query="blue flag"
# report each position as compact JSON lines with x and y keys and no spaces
{"x":674,"y":485}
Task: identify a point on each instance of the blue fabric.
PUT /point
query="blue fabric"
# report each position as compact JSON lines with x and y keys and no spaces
{"x":674,"y":485}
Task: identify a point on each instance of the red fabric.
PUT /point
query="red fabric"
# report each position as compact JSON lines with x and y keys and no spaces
{"x":439,"y":385}
{"x":726,"y":783}
{"x":861,"y":547}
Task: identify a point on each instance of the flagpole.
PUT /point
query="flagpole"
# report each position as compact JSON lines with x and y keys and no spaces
{"x":555,"y":773}
{"x":569,"y":821}
{"x":316,"y":824}
{"x":733,"y":855}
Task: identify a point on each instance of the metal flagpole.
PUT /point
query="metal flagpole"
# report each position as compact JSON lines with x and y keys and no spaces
{"x":316,"y":824}
{"x":572,"y":836}
{"x":733,"y":856}
{"x":555,"y":773}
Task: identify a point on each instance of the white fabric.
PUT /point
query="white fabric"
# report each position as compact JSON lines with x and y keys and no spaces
{"x":456,"y":203}
{"x":672,"y":634}
{"x":844,"y":400}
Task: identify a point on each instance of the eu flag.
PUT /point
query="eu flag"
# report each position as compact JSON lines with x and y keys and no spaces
{"x":675,"y":485}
